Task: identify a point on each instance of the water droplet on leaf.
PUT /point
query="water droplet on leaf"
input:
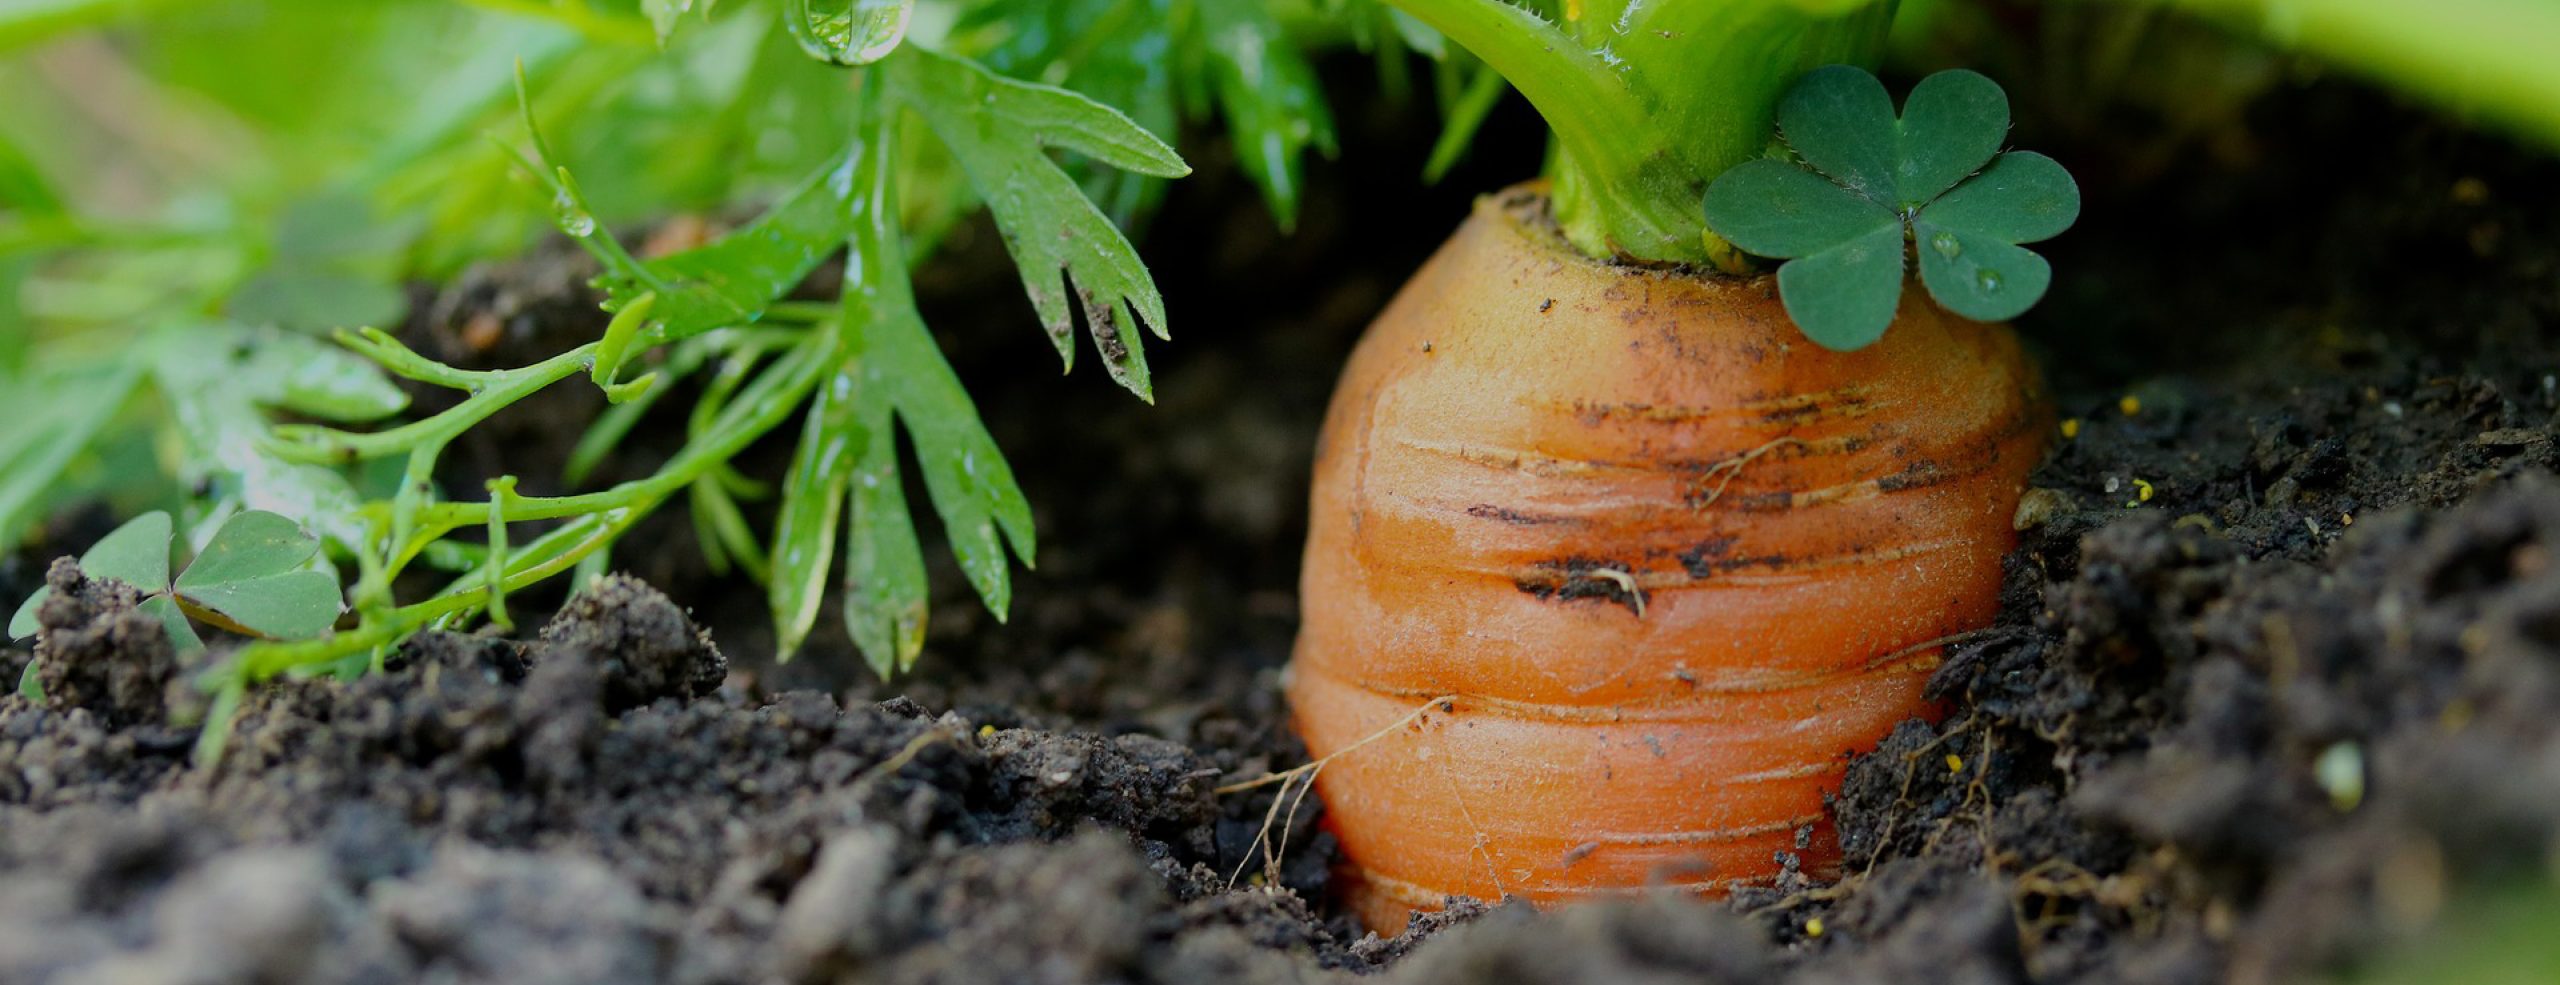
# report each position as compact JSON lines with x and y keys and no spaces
{"x":848,"y":32}
{"x":573,"y":220}
{"x":1989,"y":280}
{"x":1946,"y":245}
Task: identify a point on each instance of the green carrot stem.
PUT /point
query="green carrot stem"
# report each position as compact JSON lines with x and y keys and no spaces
{"x":1649,"y":101}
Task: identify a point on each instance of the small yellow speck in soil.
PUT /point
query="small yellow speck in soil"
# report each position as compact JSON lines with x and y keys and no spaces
{"x":2070,"y":428}
{"x":2129,"y":404}
{"x":2346,"y":519}
{"x":2141,"y":493}
{"x":1955,"y":763}
{"x":986,"y":731}
{"x":1813,"y":927}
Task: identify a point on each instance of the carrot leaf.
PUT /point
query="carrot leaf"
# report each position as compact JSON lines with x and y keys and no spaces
{"x":1865,"y":185}
{"x":999,"y":129}
{"x":1268,"y":93}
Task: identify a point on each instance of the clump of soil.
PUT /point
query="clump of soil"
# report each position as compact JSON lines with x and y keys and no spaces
{"x":2276,"y":681}
{"x":586,"y":806}
{"x":97,"y":653}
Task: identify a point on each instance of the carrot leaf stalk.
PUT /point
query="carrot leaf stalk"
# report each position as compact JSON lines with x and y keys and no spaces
{"x":1865,"y":185}
{"x":1650,"y":101}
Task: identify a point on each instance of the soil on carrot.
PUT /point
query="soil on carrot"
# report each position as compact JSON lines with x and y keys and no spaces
{"x":2277,"y":675}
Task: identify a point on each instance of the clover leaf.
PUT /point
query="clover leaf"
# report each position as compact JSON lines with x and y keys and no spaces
{"x":255,"y":576}
{"x":1870,"y":184}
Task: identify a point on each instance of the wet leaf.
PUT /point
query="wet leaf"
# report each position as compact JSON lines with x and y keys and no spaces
{"x":813,"y":497}
{"x":1274,"y":108}
{"x":884,"y":579}
{"x":728,"y":281}
{"x":1000,"y":129}
{"x":733,"y":279}
{"x":1143,"y":65}
{"x":971,"y":485}
{"x":255,"y":573}
{"x":1933,"y":179}
{"x":1980,"y":277}
{"x":848,"y":32}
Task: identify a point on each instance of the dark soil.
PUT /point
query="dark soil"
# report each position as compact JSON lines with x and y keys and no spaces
{"x":2276,"y":688}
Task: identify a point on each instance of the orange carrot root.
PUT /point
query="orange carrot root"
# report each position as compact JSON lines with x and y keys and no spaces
{"x":1674,"y":562}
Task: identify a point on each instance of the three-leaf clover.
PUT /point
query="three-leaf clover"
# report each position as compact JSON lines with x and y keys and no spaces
{"x":254,"y":577}
{"x":1871,"y":183}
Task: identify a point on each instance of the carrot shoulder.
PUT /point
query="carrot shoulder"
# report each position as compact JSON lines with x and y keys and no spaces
{"x":1674,"y":562}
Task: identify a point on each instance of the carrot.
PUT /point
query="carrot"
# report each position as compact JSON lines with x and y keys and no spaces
{"x":1621,"y":546}
{"x":1658,"y":563}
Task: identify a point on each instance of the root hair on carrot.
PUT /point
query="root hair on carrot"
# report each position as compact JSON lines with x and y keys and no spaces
{"x":1295,"y":782}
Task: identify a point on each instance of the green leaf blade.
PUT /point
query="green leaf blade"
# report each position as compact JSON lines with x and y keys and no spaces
{"x":173,"y":619}
{"x":136,"y":553}
{"x":294,"y":605}
{"x":813,"y":498}
{"x":1047,"y":223}
{"x":2022,"y":197}
{"x":1844,"y":297}
{"x":1980,"y":277}
{"x":1965,"y":204}
{"x":1776,"y":209}
{"x":254,"y":573}
{"x":971,"y":485}
{"x":23,"y":624}
{"x":1841,"y":121}
{"x":1274,"y":108}
{"x":1066,"y":119}
{"x":732,"y":280}
{"x":1951,"y":125}
{"x":254,"y":544}
{"x":884,"y":576}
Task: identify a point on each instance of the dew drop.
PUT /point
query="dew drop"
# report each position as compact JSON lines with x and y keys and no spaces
{"x":1946,"y":245}
{"x":573,"y":220}
{"x":1988,"y":279}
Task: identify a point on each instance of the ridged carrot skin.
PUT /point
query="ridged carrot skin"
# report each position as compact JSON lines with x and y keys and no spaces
{"x":1672,"y":562}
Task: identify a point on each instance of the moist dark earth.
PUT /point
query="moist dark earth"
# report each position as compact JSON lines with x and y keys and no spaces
{"x":2275,"y":688}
